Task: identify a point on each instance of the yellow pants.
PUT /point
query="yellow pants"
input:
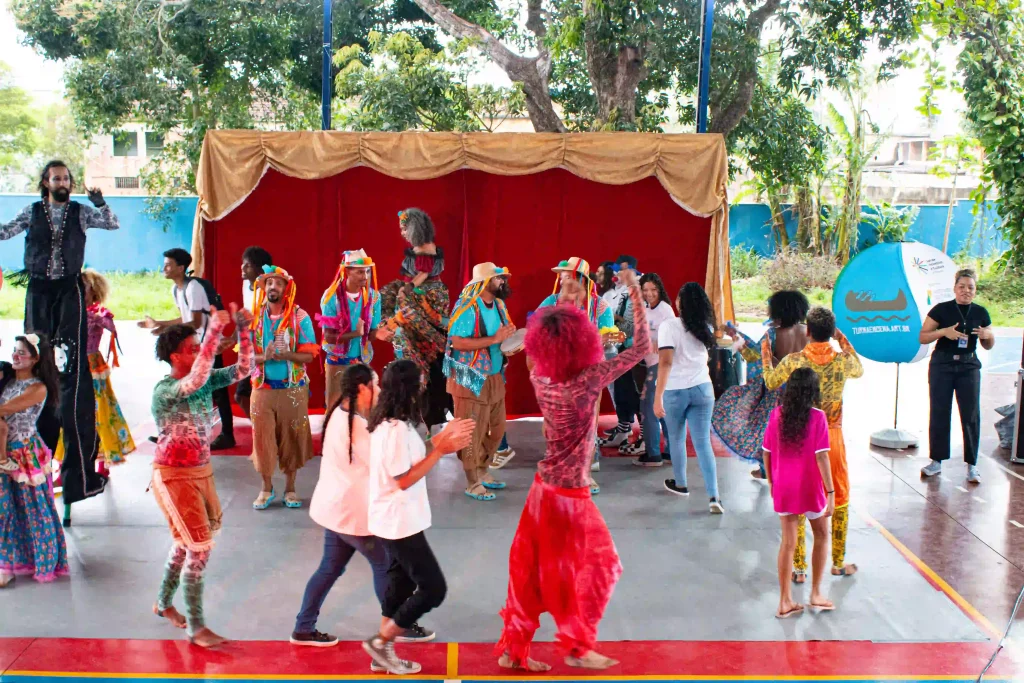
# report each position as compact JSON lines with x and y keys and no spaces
{"x":840,"y":521}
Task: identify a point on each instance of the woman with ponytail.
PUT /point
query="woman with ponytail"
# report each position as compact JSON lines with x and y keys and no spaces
{"x":340,"y":502}
{"x":796,"y":462}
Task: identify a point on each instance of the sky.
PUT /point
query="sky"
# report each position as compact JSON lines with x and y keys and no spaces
{"x":41,"y":78}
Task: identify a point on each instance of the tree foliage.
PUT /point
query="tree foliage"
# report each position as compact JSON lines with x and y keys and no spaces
{"x":18,"y":125}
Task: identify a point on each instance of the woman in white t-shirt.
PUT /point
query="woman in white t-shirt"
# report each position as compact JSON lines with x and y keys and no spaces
{"x":399,"y":511}
{"x":659,"y":309}
{"x":684,"y":395}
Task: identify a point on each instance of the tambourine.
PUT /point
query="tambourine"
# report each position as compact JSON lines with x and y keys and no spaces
{"x":515,"y":343}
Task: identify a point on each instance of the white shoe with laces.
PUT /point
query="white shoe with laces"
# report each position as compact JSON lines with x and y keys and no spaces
{"x":502,"y":458}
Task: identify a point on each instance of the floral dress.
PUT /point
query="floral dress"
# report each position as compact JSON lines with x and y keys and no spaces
{"x":31,"y":537}
{"x":741,"y":414}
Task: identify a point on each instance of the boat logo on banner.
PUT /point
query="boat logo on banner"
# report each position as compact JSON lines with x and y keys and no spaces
{"x":883,"y":295}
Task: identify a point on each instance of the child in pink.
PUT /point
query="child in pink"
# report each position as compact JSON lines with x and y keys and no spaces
{"x":796,"y":463}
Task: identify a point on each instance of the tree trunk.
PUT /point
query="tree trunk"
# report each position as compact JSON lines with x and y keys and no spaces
{"x":778,"y":221}
{"x":952,"y":203}
{"x":615,"y":73}
{"x":806,"y":232}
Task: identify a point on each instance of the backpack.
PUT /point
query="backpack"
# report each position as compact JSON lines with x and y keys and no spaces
{"x":211,"y":295}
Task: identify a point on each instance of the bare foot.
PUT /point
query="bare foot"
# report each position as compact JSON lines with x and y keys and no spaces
{"x":847,"y":570}
{"x":532,"y":665}
{"x":820,"y":602}
{"x":206,"y":638}
{"x":591,"y":660}
{"x":756,"y":474}
{"x":5,"y":579}
{"x":788,"y":608}
{"x":172,"y":615}
{"x":799,"y":577}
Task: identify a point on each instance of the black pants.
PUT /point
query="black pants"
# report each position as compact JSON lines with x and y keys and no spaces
{"x":415,"y":582}
{"x":222,"y":400}
{"x":627,"y":398}
{"x":947,"y":377}
{"x":55,"y":309}
{"x":437,"y":401}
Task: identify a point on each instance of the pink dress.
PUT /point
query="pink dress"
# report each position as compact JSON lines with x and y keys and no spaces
{"x":797,"y":488}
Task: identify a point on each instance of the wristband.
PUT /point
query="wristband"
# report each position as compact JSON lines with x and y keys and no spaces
{"x":830,"y":492}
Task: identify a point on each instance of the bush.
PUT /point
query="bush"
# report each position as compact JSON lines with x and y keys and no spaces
{"x":792,"y":270}
{"x":746,"y":263}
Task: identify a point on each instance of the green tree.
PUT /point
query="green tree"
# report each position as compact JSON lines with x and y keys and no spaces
{"x":397,"y":84}
{"x":19,"y":128}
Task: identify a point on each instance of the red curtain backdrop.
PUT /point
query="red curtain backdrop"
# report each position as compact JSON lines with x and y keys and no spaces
{"x":527,"y":223}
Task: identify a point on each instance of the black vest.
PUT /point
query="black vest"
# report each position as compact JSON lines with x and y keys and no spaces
{"x":39,"y":242}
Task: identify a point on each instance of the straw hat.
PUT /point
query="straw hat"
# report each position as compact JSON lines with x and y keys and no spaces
{"x":573,"y":265}
{"x":356,"y":259}
{"x":270,"y":272}
{"x":483,"y":272}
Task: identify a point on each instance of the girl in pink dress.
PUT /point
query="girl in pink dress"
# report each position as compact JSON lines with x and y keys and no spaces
{"x":797,"y":467}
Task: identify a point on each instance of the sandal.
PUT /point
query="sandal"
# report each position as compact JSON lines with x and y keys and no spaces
{"x":594,"y":488}
{"x":791,"y":613}
{"x":292,"y":501}
{"x":8,"y":465}
{"x":480,"y":496}
{"x":845,"y":570}
{"x":493,"y":484}
{"x":264,"y":500}
{"x":799,"y":577}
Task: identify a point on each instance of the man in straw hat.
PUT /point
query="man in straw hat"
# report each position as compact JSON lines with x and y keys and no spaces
{"x":473,"y":365}
{"x":574,"y":287}
{"x":284,"y":341}
{"x":349,"y":328}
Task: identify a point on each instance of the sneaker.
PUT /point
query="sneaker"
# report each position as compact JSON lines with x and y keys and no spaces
{"x":638,"y":447}
{"x":8,"y":465}
{"x":715,"y":507}
{"x":645,"y":462}
{"x":612,"y":440}
{"x":670,"y":486}
{"x":413,"y":667}
{"x":383,"y":655}
{"x":595,"y":466}
{"x":617,"y":429}
{"x":222,"y":443}
{"x":314,"y":639}
{"x":416,"y":634}
{"x":153,"y":439}
{"x":973,"y":475}
{"x":931,"y":469}
{"x":501,"y":458}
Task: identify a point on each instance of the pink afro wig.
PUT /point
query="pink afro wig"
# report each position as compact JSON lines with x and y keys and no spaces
{"x":561,"y":341}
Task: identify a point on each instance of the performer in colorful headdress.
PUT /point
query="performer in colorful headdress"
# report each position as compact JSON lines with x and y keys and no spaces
{"x":348,"y":329}
{"x":416,"y":308}
{"x":284,"y":342}
{"x":473,"y":364}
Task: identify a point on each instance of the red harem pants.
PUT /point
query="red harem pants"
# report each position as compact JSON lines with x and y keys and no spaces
{"x":563,"y":562}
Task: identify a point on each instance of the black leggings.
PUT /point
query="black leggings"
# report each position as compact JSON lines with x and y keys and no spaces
{"x":222,"y":400}
{"x":415,"y":582}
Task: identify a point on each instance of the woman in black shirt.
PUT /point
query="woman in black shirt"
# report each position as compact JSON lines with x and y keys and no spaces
{"x":957,"y":327}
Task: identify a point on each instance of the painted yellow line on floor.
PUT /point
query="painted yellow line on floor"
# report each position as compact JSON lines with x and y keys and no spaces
{"x":958,"y":599}
{"x":453,"y":661}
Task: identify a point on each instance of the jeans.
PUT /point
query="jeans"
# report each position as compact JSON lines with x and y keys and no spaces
{"x":416,"y":584}
{"x":946,"y":378}
{"x":338,"y":550}
{"x":692,"y":407}
{"x":652,"y":425}
{"x":503,"y":446}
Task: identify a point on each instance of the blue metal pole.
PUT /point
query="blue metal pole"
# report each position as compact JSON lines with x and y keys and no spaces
{"x":707,"y":23}
{"x":325,"y":108}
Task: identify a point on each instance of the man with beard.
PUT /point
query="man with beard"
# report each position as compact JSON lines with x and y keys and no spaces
{"x":473,"y":365}
{"x":284,"y":342}
{"x":55,"y":308}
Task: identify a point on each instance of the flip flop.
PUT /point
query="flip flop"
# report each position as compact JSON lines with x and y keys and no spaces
{"x":793,"y":612}
{"x":494,"y":485}
{"x":292,"y":501}
{"x":824,"y":608}
{"x":595,"y":489}
{"x":481,"y":496}
{"x":843,"y":572}
{"x":257,"y":505}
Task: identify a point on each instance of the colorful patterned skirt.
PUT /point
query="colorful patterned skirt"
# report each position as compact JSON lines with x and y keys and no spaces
{"x":741,"y":416}
{"x":31,"y":537}
{"x":115,"y":439}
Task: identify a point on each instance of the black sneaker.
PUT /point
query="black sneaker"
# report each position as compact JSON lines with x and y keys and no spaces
{"x":314,"y":639}
{"x":153,"y":439}
{"x":670,"y":486}
{"x":222,"y":443}
{"x":416,"y":634}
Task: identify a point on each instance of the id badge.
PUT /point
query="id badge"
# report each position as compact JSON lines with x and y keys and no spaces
{"x":962,"y":342}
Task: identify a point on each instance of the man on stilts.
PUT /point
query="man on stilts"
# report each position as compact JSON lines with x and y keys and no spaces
{"x":55,"y":230}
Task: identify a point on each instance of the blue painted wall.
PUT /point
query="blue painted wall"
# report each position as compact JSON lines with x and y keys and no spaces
{"x":141,"y":241}
{"x":749,"y":227}
{"x":138,"y":245}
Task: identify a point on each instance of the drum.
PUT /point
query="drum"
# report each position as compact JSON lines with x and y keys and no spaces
{"x":515,"y":343}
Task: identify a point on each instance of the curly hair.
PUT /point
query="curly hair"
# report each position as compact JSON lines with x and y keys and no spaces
{"x":400,"y":395}
{"x":788,"y":308}
{"x":561,"y":341}
{"x":257,"y":256}
{"x":802,"y":392}
{"x":179,"y":256}
{"x":355,"y":376}
{"x":44,"y":191}
{"x":170,"y":339}
{"x":421,"y":228}
{"x":99,"y":286}
{"x":697,"y":314}
{"x":821,"y":324}
{"x":655,"y":279}
{"x":45,"y":369}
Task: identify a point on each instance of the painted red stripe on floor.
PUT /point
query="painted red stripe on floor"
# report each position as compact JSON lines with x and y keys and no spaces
{"x":11,"y":649}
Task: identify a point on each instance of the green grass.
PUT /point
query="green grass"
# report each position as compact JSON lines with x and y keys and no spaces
{"x":132,"y":297}
{"x":749,"y":297}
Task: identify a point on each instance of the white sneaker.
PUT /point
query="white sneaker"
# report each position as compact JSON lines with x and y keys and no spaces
{"x":638,"y":447}
{"x":501,"y":458}
{"x":595,"y":466}
{"x":931,"y":469}
{"x":973,"y":475}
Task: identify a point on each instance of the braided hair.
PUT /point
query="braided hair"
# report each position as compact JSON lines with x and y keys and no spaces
{"x":400,"y":395}
{"x":355,"y":376}
{"x":803,"y":392}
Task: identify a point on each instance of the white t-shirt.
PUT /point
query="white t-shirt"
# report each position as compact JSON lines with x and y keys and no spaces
{"x":340,"y":501}
{"x":193,"y":298}
{"x":690,"y":361}
{"x":248,"y":295}
{"x":394,"y":514}
{"x":614,"y":296}
{"x":662,"y":312}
